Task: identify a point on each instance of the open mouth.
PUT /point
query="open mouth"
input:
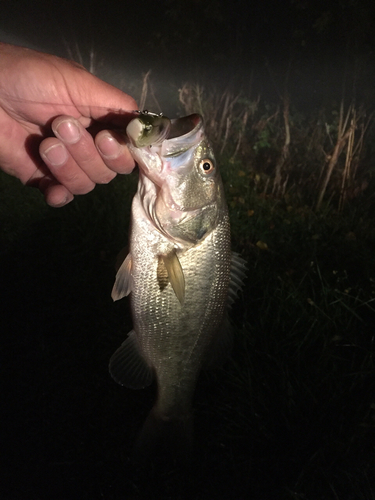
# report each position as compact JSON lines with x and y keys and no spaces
{"x":183,"y":126}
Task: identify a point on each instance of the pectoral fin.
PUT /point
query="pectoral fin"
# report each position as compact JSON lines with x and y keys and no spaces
{"x":128,"y":367}
{"x":175,"y":274}
{"x":123,"y":283}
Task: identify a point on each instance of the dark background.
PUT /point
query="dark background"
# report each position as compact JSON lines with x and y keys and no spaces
{"x":322,"y":42}
{"x":292,"y":415}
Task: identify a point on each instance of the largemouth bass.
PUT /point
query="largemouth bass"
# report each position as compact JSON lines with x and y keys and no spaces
{"x":180,"y":272}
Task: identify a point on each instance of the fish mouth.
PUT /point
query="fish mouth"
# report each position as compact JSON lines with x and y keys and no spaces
{"x":163,"y":166}
{"x":184,"y":126}
{"x":151,"y":130}
{"x":184,"y":133}
{"x":158,"y":159}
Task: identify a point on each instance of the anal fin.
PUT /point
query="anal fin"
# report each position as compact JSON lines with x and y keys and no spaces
{"x":128,"y":367}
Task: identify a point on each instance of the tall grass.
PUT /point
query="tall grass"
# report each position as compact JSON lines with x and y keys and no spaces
{"x":320,"y":158}
{"x":297,"y":396}
{"x":291,"y":414}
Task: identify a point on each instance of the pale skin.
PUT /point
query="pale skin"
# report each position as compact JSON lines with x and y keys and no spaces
{"x":61,"y":128}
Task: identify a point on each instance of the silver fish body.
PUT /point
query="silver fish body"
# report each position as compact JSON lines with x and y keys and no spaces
{"x":178,"y":269}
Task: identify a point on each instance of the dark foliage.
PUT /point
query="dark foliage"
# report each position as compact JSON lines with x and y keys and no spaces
{"x":291,"y":415}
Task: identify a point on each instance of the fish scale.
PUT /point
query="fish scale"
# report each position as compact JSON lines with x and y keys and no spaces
{"x":183,"y":331}
{"x":180,"y":272}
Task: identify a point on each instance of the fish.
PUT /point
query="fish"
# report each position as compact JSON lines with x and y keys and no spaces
{"x":180,"y":273}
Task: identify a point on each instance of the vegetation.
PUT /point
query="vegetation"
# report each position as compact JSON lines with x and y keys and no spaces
{"x":320,"y":158}
{"x":291,"y":415}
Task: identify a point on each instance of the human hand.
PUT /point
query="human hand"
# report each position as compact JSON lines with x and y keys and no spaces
{"x":40,"y":92}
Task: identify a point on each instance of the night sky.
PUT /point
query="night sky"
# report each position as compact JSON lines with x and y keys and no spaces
{"x":195,"y":38}
{"x":248,"y":46}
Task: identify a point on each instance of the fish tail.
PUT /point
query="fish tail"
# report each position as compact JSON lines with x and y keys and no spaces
{"x":165,"y":439}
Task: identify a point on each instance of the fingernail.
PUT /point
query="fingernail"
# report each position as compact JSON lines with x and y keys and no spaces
{"x":56,"y":155}
{"x":61,"y":202}
{"x":108,"y":146}
{"x":67,"y":131}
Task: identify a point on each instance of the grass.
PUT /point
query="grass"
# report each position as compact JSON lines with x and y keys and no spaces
{"x":299,"y":393}
{"x":291,"y":415}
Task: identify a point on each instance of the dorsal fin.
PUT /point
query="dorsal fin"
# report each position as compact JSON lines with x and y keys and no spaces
{"x":221,"y":343}
{"x":237,"y":275}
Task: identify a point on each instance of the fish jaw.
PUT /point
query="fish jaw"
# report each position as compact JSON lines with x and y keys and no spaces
{"x":185,"y":201}
{"x":159,"y":152}
{"x":148,"y":128}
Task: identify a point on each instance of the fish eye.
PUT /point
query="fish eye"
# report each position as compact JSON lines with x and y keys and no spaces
{"x":207,"y":166}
